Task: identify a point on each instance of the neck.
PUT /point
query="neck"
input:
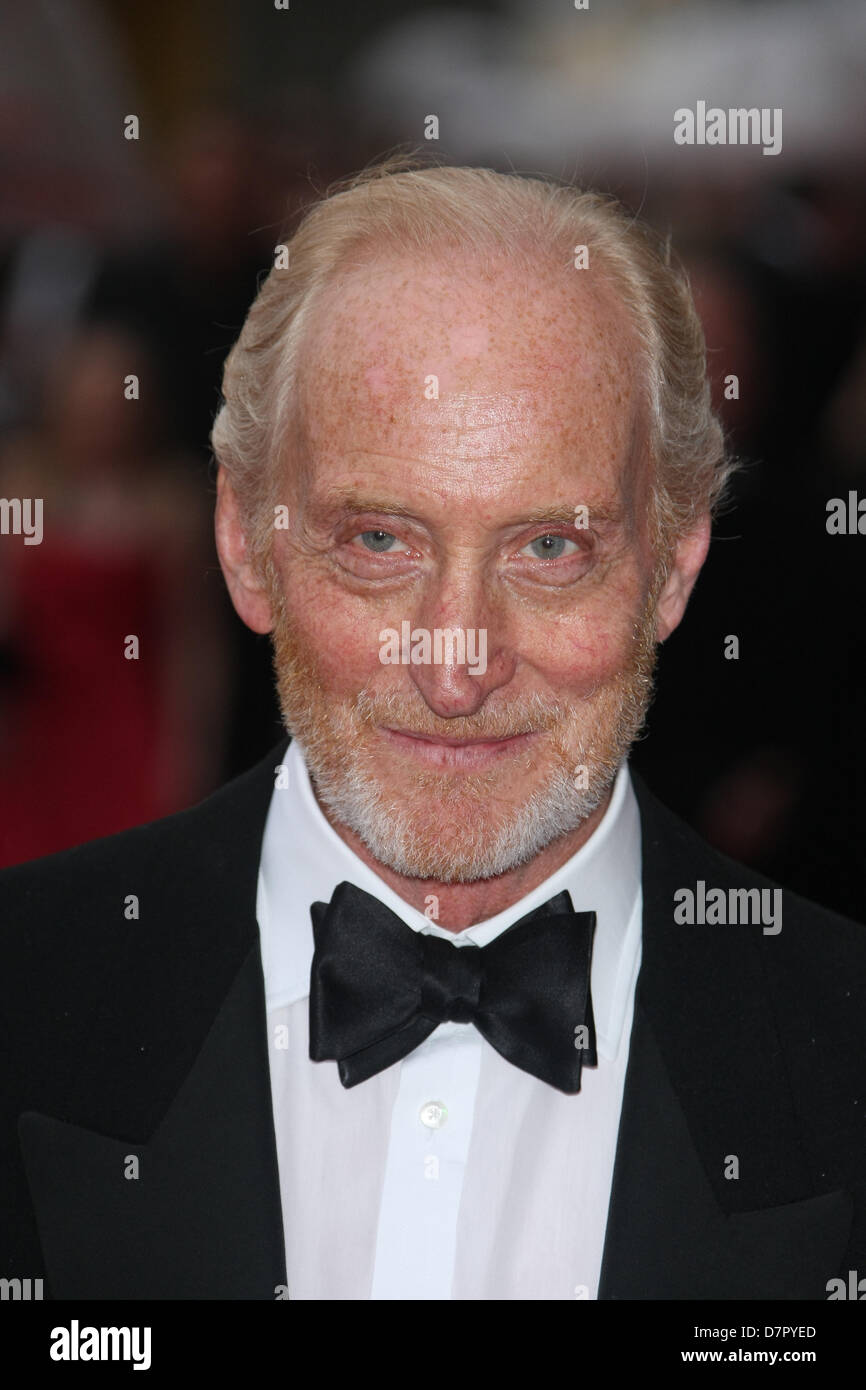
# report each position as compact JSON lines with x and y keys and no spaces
{"x":461,"y":905}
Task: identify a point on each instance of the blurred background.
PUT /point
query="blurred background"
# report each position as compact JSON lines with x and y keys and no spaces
{"x":123,"y":257}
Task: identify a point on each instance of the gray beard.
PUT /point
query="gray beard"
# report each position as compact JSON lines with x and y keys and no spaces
{"x":484,"y":841}
{"x":353,"y":796}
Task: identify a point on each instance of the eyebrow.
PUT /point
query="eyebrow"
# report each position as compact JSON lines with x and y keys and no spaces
{"x":597,"y":513}
{"x":354,"y":503}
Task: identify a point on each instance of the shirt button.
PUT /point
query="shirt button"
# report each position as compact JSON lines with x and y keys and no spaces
{"x":433,"y":1114}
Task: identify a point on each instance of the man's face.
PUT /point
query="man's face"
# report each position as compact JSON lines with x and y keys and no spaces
{"x":458,"y":512}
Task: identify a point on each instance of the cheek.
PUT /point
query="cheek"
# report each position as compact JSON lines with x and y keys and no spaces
{"x":580,"y":651}
{"x":339,"y":638}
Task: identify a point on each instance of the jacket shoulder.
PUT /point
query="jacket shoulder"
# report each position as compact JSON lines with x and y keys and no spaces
{"x":205,"y":842}
{"x":675,"y":856}
{"x":774,"y":1024}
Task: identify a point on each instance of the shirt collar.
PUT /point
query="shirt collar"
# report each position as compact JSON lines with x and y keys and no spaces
{"x":303,"y":859}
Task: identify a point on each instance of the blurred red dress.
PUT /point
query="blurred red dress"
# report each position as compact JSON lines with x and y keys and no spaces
{"x":82,"y":729}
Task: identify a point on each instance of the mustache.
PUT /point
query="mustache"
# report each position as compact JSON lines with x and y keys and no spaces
{"x":522,"y":715}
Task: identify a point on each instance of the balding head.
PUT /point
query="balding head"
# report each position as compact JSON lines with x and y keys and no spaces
{"x":530,"y":224}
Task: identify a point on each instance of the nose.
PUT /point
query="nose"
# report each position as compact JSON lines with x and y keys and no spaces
{"x":467,"y":656}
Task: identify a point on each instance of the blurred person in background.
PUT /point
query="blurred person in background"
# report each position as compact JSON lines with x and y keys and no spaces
{"x":185,"y":292}
{"x":90,"y":740}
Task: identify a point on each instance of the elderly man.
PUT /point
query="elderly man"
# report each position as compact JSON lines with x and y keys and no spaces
{"x":438,"y":1002}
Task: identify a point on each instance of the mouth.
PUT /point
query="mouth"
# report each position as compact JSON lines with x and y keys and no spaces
{"x":442,"y":751}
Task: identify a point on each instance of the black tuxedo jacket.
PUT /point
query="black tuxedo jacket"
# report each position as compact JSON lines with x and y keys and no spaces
{"x":143,"y":1038}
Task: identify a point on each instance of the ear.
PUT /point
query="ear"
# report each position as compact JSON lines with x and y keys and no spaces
{"x":248,"y":593}
{"x":689,"y":557}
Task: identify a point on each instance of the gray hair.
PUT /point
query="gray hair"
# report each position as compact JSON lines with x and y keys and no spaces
{"x":399,"y":205}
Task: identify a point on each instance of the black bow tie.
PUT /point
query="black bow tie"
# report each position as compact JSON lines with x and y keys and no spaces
{"x":378,"y":989}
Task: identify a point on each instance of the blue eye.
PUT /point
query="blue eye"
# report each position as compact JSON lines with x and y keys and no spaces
{"x":378,"y":541}
{"x":550,"y":547}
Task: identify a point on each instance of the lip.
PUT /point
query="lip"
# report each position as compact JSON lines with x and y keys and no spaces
{"x":455,"y":752}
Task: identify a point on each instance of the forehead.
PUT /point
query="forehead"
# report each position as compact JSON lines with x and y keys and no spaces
{"x":455,"y":359}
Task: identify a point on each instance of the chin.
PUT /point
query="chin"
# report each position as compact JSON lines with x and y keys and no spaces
{"x":455,"y":829}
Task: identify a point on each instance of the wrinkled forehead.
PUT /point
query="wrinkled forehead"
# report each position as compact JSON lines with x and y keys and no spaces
{"x":398,"y":350}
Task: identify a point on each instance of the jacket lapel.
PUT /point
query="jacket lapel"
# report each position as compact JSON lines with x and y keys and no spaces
{"x":668,"y":1235}
{"x":192,"y":1213}
{"x":168,"y":1186}
{"x":707,"y":1095}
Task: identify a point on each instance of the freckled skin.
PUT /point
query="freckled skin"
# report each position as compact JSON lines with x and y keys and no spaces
{"x":540,"y":405}
{"x":538,"y":412}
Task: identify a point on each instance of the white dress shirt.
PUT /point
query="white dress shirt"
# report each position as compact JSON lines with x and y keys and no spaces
{"x":452,"y":1174}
